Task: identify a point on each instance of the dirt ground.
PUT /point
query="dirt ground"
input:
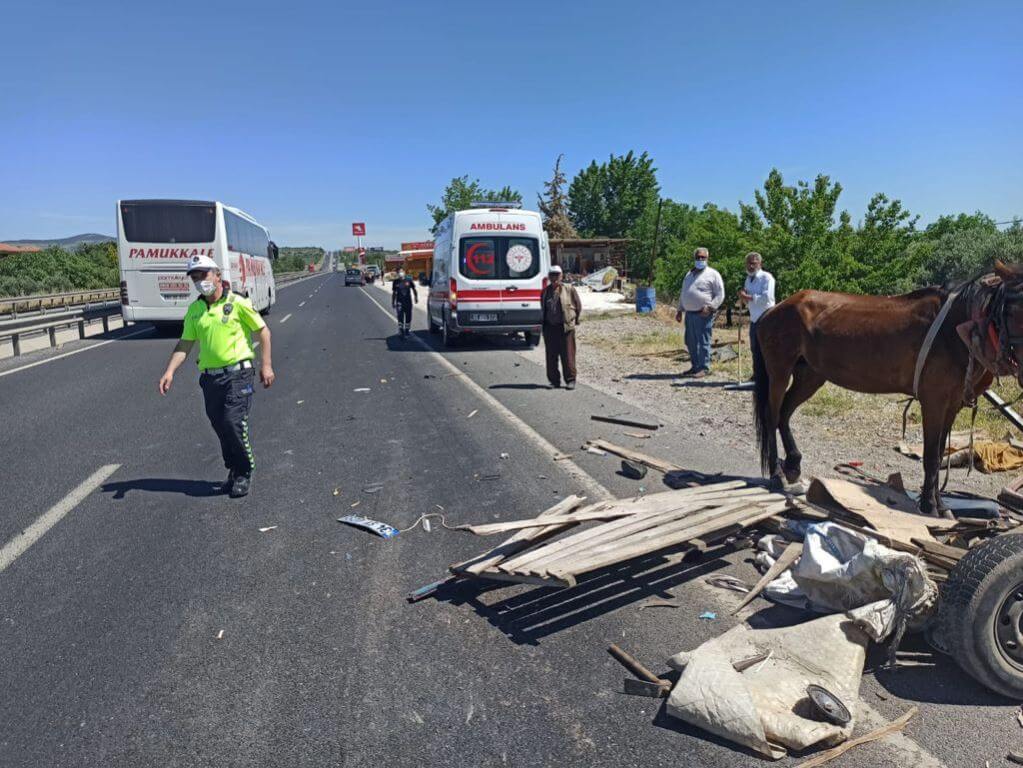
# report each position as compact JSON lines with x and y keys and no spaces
{"x":640,"y":358}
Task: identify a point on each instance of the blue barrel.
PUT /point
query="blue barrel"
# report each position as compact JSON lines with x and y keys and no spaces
{"x":646,"y":299}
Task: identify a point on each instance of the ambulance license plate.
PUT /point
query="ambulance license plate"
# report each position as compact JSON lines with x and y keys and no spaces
{"x":483,"y":317}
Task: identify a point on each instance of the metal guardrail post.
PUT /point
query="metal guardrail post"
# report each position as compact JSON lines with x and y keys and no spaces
{"x":106,"y":323}
{"x":81,"y":328}
{"x":53,"y":335}
{"x":16,"y":343}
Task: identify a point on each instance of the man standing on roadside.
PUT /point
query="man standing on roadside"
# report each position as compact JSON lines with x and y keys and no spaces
{"x":703,"y":290}
{"x":757,"y":294}
{"x":222,"y":323}
{"x":560,"y":311}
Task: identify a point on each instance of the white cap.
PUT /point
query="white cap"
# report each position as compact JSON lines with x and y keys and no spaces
{"x":201,"y":262}
{"x":555,"y":270}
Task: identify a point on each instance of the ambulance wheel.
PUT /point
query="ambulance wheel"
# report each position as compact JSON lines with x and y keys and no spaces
{"x":981,"y":617}
{"x":532,"y":339}
{"x":447,"y":335}
{"x":434,"y":328}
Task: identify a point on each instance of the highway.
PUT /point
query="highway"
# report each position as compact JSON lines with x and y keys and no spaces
{"x":151,"y":622}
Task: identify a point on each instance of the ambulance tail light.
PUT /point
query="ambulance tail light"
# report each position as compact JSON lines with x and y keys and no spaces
{"x":124,"y":292}
{"x":453,"y":293}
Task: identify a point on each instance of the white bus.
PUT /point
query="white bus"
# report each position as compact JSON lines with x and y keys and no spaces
{"x":155,"y":240}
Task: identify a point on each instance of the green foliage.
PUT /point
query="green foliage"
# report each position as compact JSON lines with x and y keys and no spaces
{"x":461,"y":193}
{"x":297,"y":259}
{"x":610,"y":199}
{"x":55,"y":270}
{"x":961,"y":254}
{"x":554,"y":205}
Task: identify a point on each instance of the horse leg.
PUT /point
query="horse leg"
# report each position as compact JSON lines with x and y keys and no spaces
{"x":779,"y":377}
{"x":937,"y":422}
{"x":805,"y":382}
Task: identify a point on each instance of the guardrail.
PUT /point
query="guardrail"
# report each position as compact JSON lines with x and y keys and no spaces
{"x":50,"y":323}
{"x":43,"y":302}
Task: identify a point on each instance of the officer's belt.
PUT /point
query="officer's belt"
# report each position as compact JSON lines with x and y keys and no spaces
{"x":244,"y":364}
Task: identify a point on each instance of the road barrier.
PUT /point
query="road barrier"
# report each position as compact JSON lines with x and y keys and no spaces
{"x":48,"y":313}
{"x":50,"y":323}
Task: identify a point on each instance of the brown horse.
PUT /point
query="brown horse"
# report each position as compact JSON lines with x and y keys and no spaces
{"x":871,"y":344}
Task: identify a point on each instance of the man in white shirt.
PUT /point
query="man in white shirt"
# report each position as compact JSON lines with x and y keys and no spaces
{"x":757,"y":294}
{"x":703,"y":290}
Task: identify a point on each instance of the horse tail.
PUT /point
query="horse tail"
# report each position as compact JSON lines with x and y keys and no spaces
{"x":762,"y":409}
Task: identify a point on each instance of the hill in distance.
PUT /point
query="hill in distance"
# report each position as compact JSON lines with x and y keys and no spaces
{"x":69,"y":243}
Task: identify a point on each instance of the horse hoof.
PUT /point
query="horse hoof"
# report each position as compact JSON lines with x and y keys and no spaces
{"x":797,"y":488}
{"x":775,"y":483}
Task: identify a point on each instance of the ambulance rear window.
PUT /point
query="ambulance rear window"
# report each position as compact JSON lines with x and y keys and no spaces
{"x":499,"y":258}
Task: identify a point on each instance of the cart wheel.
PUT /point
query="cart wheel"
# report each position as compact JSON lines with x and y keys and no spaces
{"x":981,"y":615}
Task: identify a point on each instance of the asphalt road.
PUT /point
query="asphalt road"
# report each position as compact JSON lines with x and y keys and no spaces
{"x":155,"y":624}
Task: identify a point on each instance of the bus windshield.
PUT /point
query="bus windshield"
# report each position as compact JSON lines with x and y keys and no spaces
{"x":168,"y":221}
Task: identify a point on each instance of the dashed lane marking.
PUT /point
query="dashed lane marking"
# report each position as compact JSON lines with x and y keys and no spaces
{"x":285,"y":319}
{"x":17,"y":546}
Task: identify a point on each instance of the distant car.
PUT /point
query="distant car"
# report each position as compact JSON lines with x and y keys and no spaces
{"x":354,"y":277}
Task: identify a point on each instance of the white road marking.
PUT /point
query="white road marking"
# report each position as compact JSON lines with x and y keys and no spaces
{"x":74,"y":352}
{"x":285,"y":318}
{"x":903,"y":746}
{"x":597,"y":491}
{"x":301,"y":304}
{"x":17,"y":546}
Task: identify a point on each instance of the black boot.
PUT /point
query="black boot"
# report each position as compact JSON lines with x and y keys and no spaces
{"x":227,"y":485}
{"x":240,"y":487}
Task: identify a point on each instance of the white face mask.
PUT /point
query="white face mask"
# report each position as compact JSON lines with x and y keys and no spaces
{"x":206,"y":287}
{"x":700,"y":263}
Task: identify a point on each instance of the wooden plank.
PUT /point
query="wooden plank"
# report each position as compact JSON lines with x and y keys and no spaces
{"x":884,"y":509}
{"x":937,"y":548}
{"x":788,"y":556}
{"x":523,"y":578}
{"x":626,"y":422}
{"x":892,"y":727}
{"x":745,"y":517}
{"x":717,"y":517}
{"x":601,"y":538}
{"x":627,"y":453}
{"x":615,"y":528}
{"x":623,"y":508}
{"x":522,"y":539}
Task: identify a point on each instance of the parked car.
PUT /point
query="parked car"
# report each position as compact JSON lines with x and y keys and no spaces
{"x":354,"y":277}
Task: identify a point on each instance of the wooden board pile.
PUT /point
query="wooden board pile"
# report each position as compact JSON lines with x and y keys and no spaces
{"x":624,"y":529}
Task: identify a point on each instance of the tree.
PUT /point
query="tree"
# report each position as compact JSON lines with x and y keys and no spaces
{"x":554,"y":206}
{"x":461,"y":193}
{"x":963,"y":254}
{"x":608,"y":200}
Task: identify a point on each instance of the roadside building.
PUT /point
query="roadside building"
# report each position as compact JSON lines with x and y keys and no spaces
{"x":417,"y":257}
{"x":586,"y":255}
{"x":6,"y":249}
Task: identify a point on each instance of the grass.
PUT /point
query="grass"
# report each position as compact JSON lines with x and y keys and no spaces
{"x":831,"y":401}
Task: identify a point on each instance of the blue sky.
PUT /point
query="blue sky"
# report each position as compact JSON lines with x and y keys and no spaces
{"x":313,"y":115}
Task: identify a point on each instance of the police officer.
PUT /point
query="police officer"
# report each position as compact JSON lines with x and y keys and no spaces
{"x":222,"y":322}
{"x":403,"y":289}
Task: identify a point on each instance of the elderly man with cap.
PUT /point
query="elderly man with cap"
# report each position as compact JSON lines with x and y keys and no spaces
{"x":702,"y":292}
{"x":222,"y":322}
{"x":560,"y":309}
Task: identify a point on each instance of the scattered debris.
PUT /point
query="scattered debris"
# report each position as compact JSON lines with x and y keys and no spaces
{"x":633,"y":471}
{"x":631,"y":663}
{"x":637,"y":435}
{"x":268,"y":528}
{"x":594,"y":450}
{"x":893,"y":727}
{"x":220,"y":635}
{"x":708,"y":616}
{"x":383,"y":381}
{"x":827,"y":705}
{"x":1015,"y":757}
{"x":728,"y":582}
{"x":504,"y":455}
{"x":490,"y":476}
{"x":380,"y":529}
{"x":299,"y":402}
{"x":337,"y":491}
{"x":353,"y":506}
{"x":626,"y":422}
{"x":473,"y":413}
{"x":786,"y":559}
{"x":1019,"y":717}
{"x":373,"y":488}
{"x":562,"y":456}
{"x":657,"y":602}
{"x":361,"y":389}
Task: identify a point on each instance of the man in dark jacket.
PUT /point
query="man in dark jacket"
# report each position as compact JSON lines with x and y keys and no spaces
{"x":561,"y":310}
{"x":403,"y":290}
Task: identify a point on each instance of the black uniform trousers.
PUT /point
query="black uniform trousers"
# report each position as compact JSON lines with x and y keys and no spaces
{"x":228,"y":398}
{"x":404,"y":309}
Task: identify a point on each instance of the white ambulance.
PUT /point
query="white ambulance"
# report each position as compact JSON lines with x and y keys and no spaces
{"x":490,"y":265}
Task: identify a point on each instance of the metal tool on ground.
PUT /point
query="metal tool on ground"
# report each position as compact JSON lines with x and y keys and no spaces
{"x":655,"y":686}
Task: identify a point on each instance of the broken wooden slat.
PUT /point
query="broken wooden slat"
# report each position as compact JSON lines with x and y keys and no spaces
{"x":892,"y":727}
{"x":746,"y":517}
{"x":636,"y":456}
{"x":521,"y":540}
{"x":626,"y":422}
{"x":788,"y":556}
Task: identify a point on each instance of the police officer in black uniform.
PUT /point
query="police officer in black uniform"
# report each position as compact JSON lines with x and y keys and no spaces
{"x":403,"y":289}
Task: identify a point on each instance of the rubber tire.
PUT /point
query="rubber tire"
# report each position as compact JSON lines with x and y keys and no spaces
{"x":976,"y":588}
{"x":269,"y":303}
{"x":446,"y":335}
{"x":434,"y":328}
{"x":532,"y":339}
